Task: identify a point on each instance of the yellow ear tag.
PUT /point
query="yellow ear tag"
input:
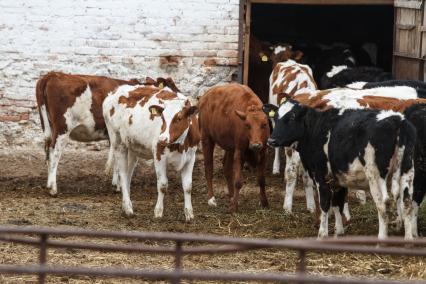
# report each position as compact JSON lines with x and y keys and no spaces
{"x":154,"y":111}
{"x":161,"y":85}
{"x":265,"y":58}
{"x":271,"y":113}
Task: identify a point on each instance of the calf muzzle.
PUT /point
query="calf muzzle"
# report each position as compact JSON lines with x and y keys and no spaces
{"x":255,"y":146}
{"x":272,"y":142}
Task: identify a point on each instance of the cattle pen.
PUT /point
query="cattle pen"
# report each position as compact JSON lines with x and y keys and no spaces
{"x":114,"y":169}
{"x":218,"y":245}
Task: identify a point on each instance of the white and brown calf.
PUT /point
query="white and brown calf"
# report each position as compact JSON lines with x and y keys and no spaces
{"x":290,"y":78}
{"x":145,"y":121}
{"x":70,"y":107}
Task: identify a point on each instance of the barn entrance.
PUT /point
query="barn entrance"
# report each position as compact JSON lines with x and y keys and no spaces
{"x":363,"y":25}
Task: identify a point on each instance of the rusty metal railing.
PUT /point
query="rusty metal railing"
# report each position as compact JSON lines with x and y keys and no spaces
{"x":43,"y":240}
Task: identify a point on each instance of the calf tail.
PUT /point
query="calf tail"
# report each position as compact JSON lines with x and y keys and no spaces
{"x":43,"y":111}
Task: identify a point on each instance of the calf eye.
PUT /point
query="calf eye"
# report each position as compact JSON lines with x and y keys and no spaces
{"x":263,"y":126}
{"x":248,"y":126}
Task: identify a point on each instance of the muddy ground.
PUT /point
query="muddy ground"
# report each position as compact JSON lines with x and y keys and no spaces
{"x":86,"y":200}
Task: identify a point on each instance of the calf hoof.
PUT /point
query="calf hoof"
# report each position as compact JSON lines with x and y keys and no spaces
{"x":339,"y":232}
{"x":128,"y":213}
{"x":53,"y":192}
{"x":276,"y":171}
{"x":233,"y":207}
{"x":264,"y":206}
{"x":212,"y":202}
{"x":189,"y":214}
{"x":158,"y":212}
{"x":127,"y":210}
{"x":116,"y":189}
{"x":322,"y":234}
{"x":311,"y":210}
{"x":287,"y":209}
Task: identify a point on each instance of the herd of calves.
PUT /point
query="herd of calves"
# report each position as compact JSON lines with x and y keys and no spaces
{"x":365,"y":135}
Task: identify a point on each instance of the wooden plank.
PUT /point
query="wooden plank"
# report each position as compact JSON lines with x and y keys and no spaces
{"x":327,"y":2}
{"x":247,"y":30}
{"x":407,"y":31}
{"x":408,"y":68}
{"x":416,"y":4}
{"x":241,"y":42}
{"x":422,"y":29}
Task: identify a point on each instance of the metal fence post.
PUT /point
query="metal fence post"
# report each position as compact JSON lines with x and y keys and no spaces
{"x":42,"y":258}
{"x":301,"y":265}
{"x":178,"y":261}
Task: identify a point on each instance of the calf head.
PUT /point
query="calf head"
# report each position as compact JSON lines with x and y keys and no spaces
{"x":256,"y":126}
{"x":176,"y":116}
{"x":284,"y":52}
{"x":289,"y":122}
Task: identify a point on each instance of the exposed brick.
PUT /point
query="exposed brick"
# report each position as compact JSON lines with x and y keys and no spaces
{"x":193,"y":41}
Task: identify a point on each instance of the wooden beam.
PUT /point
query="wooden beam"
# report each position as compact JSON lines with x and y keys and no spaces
{"x":326,"y":2}
{"x":247,"y":43}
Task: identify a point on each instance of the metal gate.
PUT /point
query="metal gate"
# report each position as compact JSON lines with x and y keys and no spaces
{"x":42,"y":238}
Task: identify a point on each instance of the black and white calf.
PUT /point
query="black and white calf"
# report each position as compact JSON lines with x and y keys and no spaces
{"x":416,"y":114}
{"x":358,"y":148}
{"x":418,"y":86}
{"x":343,"y":75}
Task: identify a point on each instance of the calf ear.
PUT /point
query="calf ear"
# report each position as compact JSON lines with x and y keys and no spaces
{"x":241,"y":114}
{"x":135,"y":81}
{"x":150,"y":81}
{"x":156,"y":110}
{"x":191,"y":111}
{"x":297,"y":55}
{"x":171,"y":84}
{"x":270,"y":110}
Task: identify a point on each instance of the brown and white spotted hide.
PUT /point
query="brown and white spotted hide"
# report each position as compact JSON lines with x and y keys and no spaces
{"x":70,"y":106}
{"x":157,"y":122}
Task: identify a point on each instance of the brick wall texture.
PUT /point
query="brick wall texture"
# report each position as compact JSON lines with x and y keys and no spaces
{"x":193,"y":41}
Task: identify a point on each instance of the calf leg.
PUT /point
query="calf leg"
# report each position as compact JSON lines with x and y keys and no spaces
{"x":261,"y":178}
{"x":376,"y":189}
{"x":277,"y":162}
{"x":186,"y":175}
{"x":121,"y":156}
{"x":237,"y":180}
{"x":208,"y":149}
{"x":162,"y":185}
{"x":58,"y":145}
{"x":408,"y":212}
{"x":338,"y":203}
{"x":419,"y":192}
{"x":132,"y":161}
{"x":110,"y":164}
{"x":309,"y":190}
{"x":115,"y":179}
{"x":228,"y":164}
{"x":291,"y":169}
{"x":325,"y":202}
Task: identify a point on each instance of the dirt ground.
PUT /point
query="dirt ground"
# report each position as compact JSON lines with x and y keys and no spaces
{"x":86,"y":200}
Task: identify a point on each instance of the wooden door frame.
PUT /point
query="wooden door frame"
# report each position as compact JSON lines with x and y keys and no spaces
{"x":245,"y":22}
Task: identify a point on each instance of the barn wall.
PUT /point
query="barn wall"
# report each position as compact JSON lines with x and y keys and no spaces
{"x":193,"y":41}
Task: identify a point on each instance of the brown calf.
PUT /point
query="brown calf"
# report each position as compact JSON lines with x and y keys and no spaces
{"x":231,"y":116}
{"x":70,"y":106}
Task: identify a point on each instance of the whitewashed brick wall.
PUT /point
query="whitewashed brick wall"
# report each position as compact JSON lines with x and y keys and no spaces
{"x":193,"y":41}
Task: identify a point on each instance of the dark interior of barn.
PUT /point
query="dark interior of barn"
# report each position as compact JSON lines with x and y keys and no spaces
{"x":301,"y":25}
